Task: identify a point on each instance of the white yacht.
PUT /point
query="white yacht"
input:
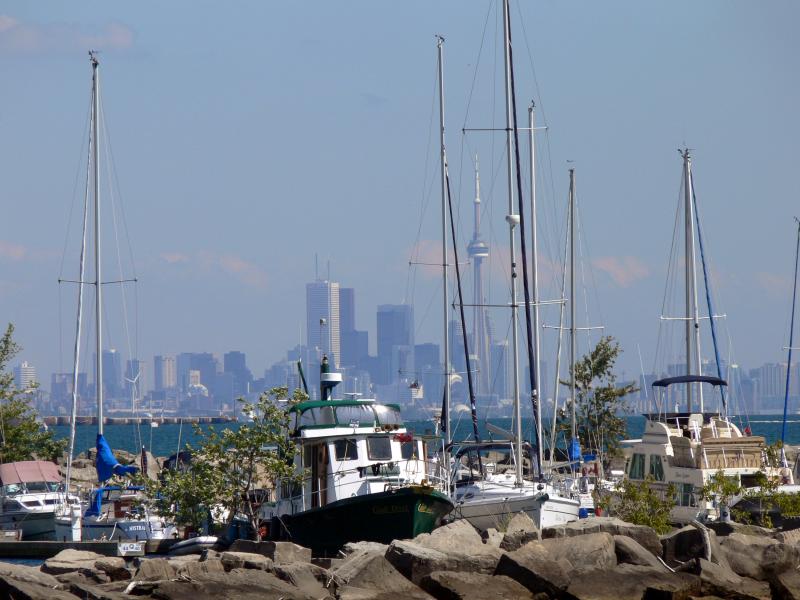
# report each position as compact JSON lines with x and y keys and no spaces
{"x":30,"y":493}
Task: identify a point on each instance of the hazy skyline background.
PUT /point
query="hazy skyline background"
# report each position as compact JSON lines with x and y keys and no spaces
{"x":250,"y":137}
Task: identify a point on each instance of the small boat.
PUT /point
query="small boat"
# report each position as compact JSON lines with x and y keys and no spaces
{"x":195,"y":545}
{"x":365,"y":476}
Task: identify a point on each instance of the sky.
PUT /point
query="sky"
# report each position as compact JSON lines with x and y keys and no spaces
{"x":249,"y":138}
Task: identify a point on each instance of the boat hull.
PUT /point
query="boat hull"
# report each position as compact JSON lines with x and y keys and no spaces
{"x":35,"y":526}
{"x":382,"y":517}
{"x":122,"y":529}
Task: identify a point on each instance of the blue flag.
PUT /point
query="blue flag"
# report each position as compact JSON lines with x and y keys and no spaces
{"x":107,"y":464}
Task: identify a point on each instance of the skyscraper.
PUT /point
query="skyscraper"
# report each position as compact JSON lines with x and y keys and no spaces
{"x":234,"y":363}
{"x":478,"y":250}
{"x":395,"y":342}
{"x":165,"y":374}
{"x":322,"y":320}
{"x":354,"y":343}
{"x":112,"y":373}
{"x":24,"y":376}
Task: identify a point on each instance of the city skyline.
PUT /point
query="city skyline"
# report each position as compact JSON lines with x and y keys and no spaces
{"x":319,"y":144}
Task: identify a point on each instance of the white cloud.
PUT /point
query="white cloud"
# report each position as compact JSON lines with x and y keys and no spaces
{"x":624,"y":270}
{"x":17,"y":37}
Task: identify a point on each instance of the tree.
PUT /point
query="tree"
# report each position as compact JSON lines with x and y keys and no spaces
{"x":21,"y":435}
{"x":599,"y":401}
{"x":228,"y":465}
{"x":638,"y":503}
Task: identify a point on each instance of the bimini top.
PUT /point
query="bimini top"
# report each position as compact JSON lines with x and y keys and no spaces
{"x":29,"y":471}
{"x":345,"y":413}
{"x":667,"y":381}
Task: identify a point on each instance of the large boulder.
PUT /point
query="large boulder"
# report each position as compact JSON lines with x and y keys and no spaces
{"x":308,"y":578}
{"x":114,"y":567}
{"x":520,"y":530}
{"x":70,"y":560}
{"x":786,"y":586}
{"x":27,"y":574}
{"x":199,"y":570}
{"x":279,"y":552}
{"x":368,"y":569}
{"x":15,"y":589}
{"x":631,"y":552}
{"x":534,"y":568}
{"x":89,"y":591}
{"x":238,"y":584}
{"x":718,"y":580}
{"x":245,"y":560}
{"x":759,"y":557}
{"x":633,"y":582}
{"x":415,"y":560}
{"x":450,"y":585}
{"x":726,"y":528}
{"x":458,"y":536}
{"x":584,"y":553}
{"x":646,"y":536}
{"x":691,"y":543}
{"x":155,"y":569}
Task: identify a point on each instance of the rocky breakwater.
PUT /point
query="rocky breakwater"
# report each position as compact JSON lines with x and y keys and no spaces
{"x":598,"y":558}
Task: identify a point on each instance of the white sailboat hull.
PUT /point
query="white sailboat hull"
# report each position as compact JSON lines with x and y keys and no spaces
{"x":153,"y":528}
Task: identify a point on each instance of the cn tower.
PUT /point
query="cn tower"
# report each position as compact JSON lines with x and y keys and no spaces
{"x":478,"y":250}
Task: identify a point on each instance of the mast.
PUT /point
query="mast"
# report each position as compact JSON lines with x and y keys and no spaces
{"x":791,"y":341}
{"x":535,"y":275}
{"x":443,"y":167}
{"x":572,"y":311}
{"x":98,"y":281}
{"x":513,"y":219}
{"x":688,"y":253}
{"x":695,"y":306}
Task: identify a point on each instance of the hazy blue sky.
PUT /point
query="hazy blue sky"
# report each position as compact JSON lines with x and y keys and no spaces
{"x":249,"y":136}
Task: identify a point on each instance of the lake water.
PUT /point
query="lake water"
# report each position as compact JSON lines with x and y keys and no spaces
{"x":166,"y":439}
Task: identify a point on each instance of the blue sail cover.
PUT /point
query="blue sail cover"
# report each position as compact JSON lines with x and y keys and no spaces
{"x":574,"y":450}
{"x":107,"y":464}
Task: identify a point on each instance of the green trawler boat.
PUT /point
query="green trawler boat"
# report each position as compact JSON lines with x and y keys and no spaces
{"x":366,"y":477}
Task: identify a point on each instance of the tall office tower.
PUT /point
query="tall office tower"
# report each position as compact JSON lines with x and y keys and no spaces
{"x":478,"y":251}
{"x":165,"y":373}
{"x":347,"y":309}
{"x":134,"y":371}
{"x":112,"y":373}
{"x":354,"y":343}
{"x":322,"y":320}
{"x":202,"y":362}
{"x":395,"y":342}
{"x":500,"y":382}
{"x":235,"y":364}
{"x":24,"y":376}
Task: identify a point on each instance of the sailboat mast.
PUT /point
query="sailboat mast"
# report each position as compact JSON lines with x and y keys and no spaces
{"x":98,"y":280}
{"x":572,"y":311}
{"x":688,"y":254}
{"x":695,"y":305}
{"x":513,"y":219}
{"x":791,"y":342}
{"x":443,"y":166}
{"x":535,"y":275}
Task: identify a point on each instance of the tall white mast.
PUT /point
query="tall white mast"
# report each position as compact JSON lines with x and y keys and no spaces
{"x":695,"y":306}
{"x":443,"y":165}
{"x":572,"y":311}
{"x":513,"y":220}
{"x":98,"y":280}
{"x":537,"y":393}
{"x":692,"y":313}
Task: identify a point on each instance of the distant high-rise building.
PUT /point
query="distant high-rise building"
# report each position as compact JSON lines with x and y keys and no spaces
{"x":354,"y":343}
{"x":25,"y":376}
{"x":165,"y":374}
{"x":235,"y":364}
{"x":322,"y":320}
{"x":395,"y":341}
{"x":112,"y":373}
{"x":500,"y":381}
{"x":202,"y":362}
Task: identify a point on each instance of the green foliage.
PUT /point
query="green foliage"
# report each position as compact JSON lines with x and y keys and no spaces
{"x":599,"y":401}
{"x":21,"y":436}
{"x":227,"y":465}
{"x":638,"y":503}
{"x":722,"y":488}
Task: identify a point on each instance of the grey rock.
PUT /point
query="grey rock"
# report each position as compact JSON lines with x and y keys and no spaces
{"x":114,"y":567}
{"x":521,"y":522}
{"x":25,"y":590}
{"x":308,"y":578}
{"x":87,"y":591}
{"x":70,"y":560}
{"x":759,"y":557}
{"x":353,"y":547}
{"x":788,"y":537}
{"x":370,"y":570}
{"x":245,"y":560}
{"x":492,"y":537}
{"x":200,"y":570}
{"x":415,"y":560}
{"x":27,"y":574}
{"x":279,"y":552}
{"x":458,"y":536}
{"x":726,"y":528}
{"x":633,"y":582}
{"x":456,"y":585}
{"x":155,"y":569}
{"x":631,"y":552}
{"x":721,"y":581}
{"x":786,"y":586}
{"x":584,"y":553}
{"x":238,"y":584}
{"x":688,"y":544}
{"x":88,"y":576}
{"x":646,"y":536}
{"x":533,"y":567}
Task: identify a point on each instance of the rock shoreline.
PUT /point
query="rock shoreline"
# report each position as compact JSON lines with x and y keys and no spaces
{"x":592,"y":559}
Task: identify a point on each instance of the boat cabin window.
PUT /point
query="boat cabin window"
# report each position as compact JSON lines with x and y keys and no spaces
{"x":656,"y":467}
{"x":388,"y":415}
{"x":346,"y":449}
{"x":379,"y":448}
{"x":322,"y":415}
{"x":409,"y":450}
{"x":42,"y":486}
{"x":684,"y":494}
{"x":12,"y":488}
{"x":636,"y":467}
{"x":350,"y":415}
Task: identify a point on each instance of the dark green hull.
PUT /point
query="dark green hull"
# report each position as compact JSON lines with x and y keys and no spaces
{"x":395,"y":514}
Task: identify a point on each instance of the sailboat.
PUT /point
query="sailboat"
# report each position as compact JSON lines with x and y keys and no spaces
{"x":114,"y":511}
{"x":685,"y":449}
{"x":491,"y":481}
